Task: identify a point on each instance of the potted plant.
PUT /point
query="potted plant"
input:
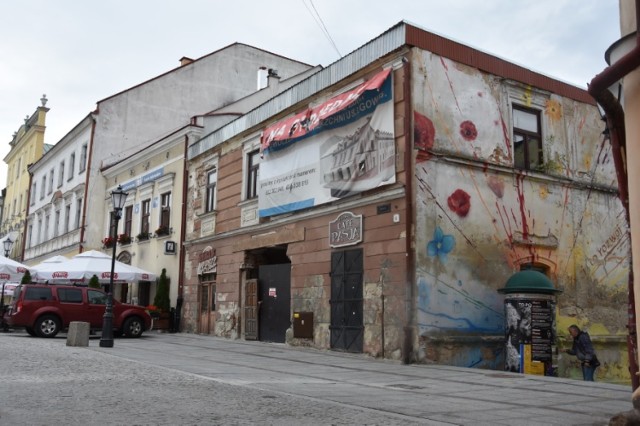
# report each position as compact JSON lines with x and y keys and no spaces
{"x":161,"y":300}
{"x":26,"y":278}
{"x":143,"y":236}
{"x":162,"y":230}
{"x":124,"y":239}
{"x":94,"y":282}
{"x":107,"y":242}
{"x":153,"y":312}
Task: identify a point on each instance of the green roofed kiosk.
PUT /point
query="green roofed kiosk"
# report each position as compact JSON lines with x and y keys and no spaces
{"x":530,"y":323}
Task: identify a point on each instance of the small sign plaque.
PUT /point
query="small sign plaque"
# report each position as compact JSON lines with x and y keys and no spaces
{"x":346,"y":230}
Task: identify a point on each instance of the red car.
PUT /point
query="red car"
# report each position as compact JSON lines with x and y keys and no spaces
{"x":45,"y":310}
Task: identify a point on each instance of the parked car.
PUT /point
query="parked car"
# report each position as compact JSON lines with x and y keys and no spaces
{"x":46,"y":309}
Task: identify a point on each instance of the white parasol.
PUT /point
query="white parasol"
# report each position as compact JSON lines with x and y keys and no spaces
{"x":85,"y":265}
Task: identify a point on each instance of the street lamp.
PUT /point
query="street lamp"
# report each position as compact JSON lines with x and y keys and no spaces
{"x":7,"y":246}
{"x":118,"y":198}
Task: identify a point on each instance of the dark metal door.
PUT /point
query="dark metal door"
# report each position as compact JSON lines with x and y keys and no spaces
{"x":347,"y":325}
{"x":251,"y":310}
{"x":274,"y":312}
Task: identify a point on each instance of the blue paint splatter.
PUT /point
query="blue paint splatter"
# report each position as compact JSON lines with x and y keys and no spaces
{"x":441,"y":245}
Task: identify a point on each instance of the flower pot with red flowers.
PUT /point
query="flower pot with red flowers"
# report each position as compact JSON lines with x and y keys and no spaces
{"x":162,"y":231}
{"x":108,"y":242}
{"x":124,"y":239}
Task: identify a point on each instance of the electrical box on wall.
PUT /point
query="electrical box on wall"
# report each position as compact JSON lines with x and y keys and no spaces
{"x":303,"y":325}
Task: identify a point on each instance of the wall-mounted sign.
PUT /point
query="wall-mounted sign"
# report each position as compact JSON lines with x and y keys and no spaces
{"x":169,"y":247}
{"x":207,"y":261}
{"x":346,"y":230}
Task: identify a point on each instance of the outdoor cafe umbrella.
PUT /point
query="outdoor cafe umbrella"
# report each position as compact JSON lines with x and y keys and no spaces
{"x":10,"y":270}
{"x":83,"y":266}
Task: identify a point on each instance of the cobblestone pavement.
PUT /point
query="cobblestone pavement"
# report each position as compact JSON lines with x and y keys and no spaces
{"x":44,"y":382}
{"x":186,"y":379}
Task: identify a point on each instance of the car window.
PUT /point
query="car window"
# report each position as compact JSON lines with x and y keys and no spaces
{"x":37,"y":293}
{"x":70,"y":295}
{"x":97,"y":297}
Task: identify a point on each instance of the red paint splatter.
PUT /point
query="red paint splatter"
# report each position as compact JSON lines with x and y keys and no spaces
{"x":423,"y":136}
{"x":497,"y":185}
{"x":523,"y":215}
{"x":459,"y":202}
{"x":468,"y":130}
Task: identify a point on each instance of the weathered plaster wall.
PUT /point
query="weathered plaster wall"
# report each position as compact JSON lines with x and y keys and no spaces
{"x":478,"y":219}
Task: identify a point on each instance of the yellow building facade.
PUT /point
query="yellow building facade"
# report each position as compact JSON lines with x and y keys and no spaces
{"x":27,"y":147}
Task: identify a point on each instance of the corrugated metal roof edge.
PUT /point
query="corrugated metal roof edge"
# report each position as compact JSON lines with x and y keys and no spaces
{"x":400,"y":35}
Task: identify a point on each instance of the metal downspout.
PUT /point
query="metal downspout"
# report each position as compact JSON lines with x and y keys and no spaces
{"x":86,"y":184}
{"x":407,"y":350}
{"x":183,"y":224}
{"x":614,"y":113}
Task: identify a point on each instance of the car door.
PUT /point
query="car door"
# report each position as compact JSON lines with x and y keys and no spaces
{"x":97,"y":301}
{"x":71,"y":305}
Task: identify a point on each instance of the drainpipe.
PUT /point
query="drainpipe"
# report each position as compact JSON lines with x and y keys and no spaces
{"x":614,"y":113}
{"x":26,"y":219}
{"x":183,"y":224}
{"x":87,"y":175}
{"x":407,"y":347}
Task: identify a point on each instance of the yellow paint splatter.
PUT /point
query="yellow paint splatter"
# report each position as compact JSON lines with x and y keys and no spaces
{"x":544,"y":192}
{"x":553,"y":110}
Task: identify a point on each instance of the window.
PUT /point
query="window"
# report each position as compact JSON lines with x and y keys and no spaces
{"x":39,"y":231}
{"x":212,"y":179}
{"x":527,"y":138}
{"x":78,"y":212}
{"x":83,"y":159}
{"x":43,"y":187}
{"x":37,"y":293}
{"x":165,"y":210}
{"x":144,"y":220}
{"x":61,"y":174}
{"x":96,"y":297}
{"x":18,"y":168}
{"x":47,"y":220}
{"x":56,"y":224}
{"x":50,"y":182}
{"x":33,"y":194}
{"x":70,"y":295}
{"x":72,"y":164}
{"x":67,"y":218}
{"x":253,"y":164}
{"x":128,"y":220}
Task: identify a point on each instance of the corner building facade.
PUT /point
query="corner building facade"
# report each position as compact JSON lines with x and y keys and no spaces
{"x":378,"y":207}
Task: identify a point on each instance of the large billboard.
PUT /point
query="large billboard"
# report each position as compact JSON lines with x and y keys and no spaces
{"x":342,"y":147}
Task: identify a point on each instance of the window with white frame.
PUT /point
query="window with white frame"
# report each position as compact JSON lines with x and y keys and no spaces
{"x":51,"y":172}
{"x":72,"y":164}
{"x":43,"y":187}
{"x":83,"y":158}
{"x":128,"y":220}
{"x":165,"y":210}
{"x":32,"y":196}
{"x":212,"y":180}
{"x":78,"y":212}
{"x":47,"y":220}
{"x":56,"y":223}
{"x":67,"y":218}
{"x":145,"y":216}
{"x":30,"y":236}
{"x":61,"y":174}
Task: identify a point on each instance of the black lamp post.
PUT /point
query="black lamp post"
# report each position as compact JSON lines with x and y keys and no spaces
{"x":7,"y":243}
{"x":118,"y":198}
{"x":7,"y":246}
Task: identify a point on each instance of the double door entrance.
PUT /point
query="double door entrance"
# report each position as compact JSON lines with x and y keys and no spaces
{"x":347,"y":324}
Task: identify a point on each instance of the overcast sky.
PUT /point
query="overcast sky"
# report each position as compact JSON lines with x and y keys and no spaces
{"x":79,"y":52}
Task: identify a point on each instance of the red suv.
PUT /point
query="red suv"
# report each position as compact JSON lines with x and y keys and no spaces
{"x":44,"y":310}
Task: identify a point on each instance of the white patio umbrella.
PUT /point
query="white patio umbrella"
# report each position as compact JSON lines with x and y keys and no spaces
{"x":10,"y":270}
{"x":85,"y":265}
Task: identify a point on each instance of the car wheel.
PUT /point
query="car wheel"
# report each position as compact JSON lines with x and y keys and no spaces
{"x":30,"y":331}
{"x":133,"y":327}
{"x":47,"y":326}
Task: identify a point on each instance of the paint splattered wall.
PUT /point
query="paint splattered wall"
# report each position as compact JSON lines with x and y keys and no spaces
{"x":479,"y":219}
